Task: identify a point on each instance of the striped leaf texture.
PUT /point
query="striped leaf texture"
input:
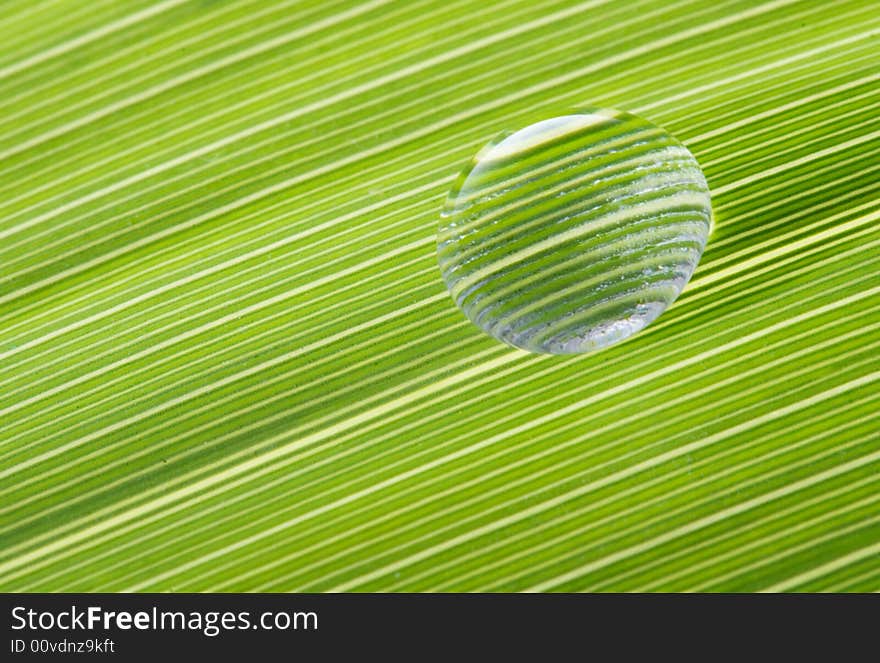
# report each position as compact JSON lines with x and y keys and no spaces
{"x":229,"y":360}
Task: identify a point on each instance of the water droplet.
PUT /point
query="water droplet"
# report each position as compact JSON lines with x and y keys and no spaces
{"x":575,"y":232}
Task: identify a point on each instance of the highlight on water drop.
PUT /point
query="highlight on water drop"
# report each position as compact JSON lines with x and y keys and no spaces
{"x":574,"y":233}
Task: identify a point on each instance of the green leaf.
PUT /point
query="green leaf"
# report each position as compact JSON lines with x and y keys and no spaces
{"x":228,"y":360}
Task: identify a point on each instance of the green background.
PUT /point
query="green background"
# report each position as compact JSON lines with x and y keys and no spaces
{"x":228,"y":360}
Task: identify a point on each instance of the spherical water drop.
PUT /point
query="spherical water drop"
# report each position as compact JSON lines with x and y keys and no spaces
{"x":575,"y":232}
